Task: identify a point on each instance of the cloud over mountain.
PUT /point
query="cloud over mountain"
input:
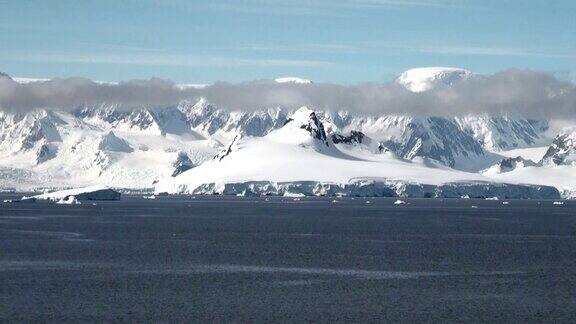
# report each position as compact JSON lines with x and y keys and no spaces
{"x":511,"y":91}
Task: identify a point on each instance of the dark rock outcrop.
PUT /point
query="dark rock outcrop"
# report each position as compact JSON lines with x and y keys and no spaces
{"x":354,"y":137}
{"x":182,"y":164}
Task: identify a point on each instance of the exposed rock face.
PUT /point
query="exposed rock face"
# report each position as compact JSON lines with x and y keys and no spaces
{"x":436,"y":138}
{"x":504,"y":132}
{"x":353,"y":137}
{"x":509,"y":164}
{"x":315,"y":128}
{"x":182,"y":163}
{"x":45,"y":152}
{"x":227,"y":150}
{"x":562,"y":151}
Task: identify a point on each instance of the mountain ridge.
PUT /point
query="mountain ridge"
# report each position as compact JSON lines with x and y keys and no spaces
{"x":142,"y":146}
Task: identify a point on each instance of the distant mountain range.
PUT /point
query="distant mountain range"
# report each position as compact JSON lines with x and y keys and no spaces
{"x":173,"y":148}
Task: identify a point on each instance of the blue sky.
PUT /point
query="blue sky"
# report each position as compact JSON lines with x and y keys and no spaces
{"x":341,"y":41}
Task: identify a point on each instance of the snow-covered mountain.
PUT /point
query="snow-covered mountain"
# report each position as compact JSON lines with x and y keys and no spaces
{"x":56,"y":149}
{"x":438,"y":138}
{"x":424,"y":79}
{"x":292,"y":80}
{"x":57,"y":140}
{"x":557,"y":166}
{"x":136,"y":148}
{"x":300,"y":158}
{"x":562,"y":151}
{"x":496,"y":133}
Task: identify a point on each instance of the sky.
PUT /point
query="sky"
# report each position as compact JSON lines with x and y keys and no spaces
{"x":337,"y":41}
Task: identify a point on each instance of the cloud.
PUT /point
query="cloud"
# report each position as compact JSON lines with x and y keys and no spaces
{"x":532,"y":94}
{"x":297,"y":47}
{"x":151,"y":58}
{"x":494,"y":51}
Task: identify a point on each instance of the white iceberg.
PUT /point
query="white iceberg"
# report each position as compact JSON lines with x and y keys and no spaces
{"x":86,"y":193}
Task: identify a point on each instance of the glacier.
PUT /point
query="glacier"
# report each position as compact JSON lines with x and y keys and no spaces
{"x":372,"y":188}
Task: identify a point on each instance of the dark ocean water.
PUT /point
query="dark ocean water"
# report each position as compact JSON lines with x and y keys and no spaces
{"x":229,"y":259}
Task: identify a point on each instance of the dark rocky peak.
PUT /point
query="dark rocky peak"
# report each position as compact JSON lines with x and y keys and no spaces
{"x":306,"y":119}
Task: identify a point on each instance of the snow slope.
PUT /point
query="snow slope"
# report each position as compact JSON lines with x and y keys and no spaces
{"x":556,"y":167}
{"x":301,"y":153}
{"x":531,"y":153}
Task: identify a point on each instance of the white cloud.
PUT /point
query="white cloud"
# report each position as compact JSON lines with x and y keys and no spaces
{"x":513,"y":91}
{"x":492,"y":51}
{"x":158,"y":59}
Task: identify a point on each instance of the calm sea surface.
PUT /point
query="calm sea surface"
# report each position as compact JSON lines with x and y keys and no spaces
{"x":232,"y":259}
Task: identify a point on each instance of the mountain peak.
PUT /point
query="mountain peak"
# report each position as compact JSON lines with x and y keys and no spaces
{"x":302,"y":128}
{"x":5,"y":75}
{"x":428,"y":78}
{"x":293,"y":80}
{"x":111,"y":142}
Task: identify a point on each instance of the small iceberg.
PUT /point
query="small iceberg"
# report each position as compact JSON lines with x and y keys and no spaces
{"x":80,"y":194}
{"x":149,"y":197}
{"x":399,"y":202}
{"x":558,"y":203}
{"x":294,"y":194}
